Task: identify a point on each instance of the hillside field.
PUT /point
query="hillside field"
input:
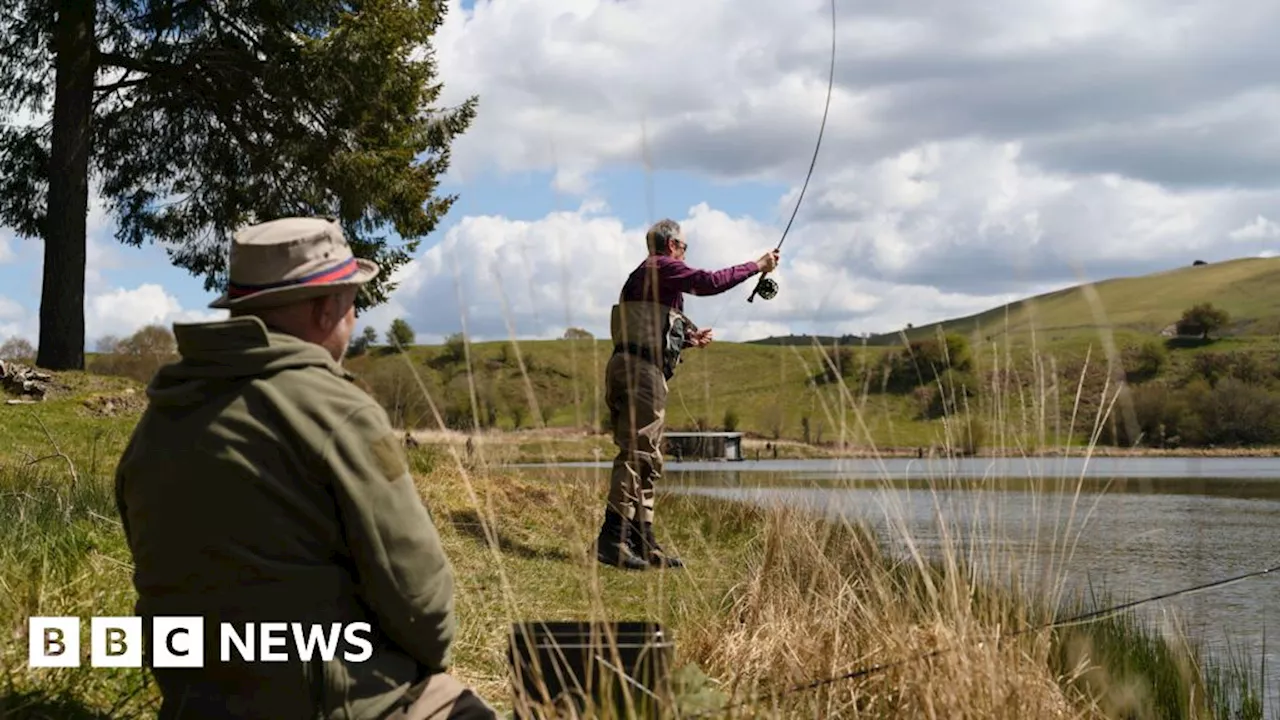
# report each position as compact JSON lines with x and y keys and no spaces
{"x":1033,"y":369}
{"x":1032,"y":376}
{"x":1147,"y":304}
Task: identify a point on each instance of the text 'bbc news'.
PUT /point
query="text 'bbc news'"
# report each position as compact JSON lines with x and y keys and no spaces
{"x":179,"y":642}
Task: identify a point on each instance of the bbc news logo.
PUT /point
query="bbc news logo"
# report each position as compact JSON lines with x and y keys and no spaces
{"x":178,"y":642}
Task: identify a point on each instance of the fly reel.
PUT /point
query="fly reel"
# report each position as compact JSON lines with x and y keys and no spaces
{"x":767,"y":288}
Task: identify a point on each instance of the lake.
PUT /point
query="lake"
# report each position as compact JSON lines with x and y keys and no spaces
{"x":1135,"y":526}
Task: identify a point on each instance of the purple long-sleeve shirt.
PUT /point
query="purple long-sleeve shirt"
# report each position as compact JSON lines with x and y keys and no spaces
{"x":674,"y":278}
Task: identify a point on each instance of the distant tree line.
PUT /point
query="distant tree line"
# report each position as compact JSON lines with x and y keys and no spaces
{"x":1214,"y":398}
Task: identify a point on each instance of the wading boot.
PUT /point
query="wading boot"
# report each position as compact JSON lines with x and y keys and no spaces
{"x":646,"y":546}
{"x":614,"y":545}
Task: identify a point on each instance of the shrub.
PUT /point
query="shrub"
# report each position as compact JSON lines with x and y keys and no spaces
{"x":1210,"y":367}
{"x":1146,"y":361}
{"x":969,"y":434}
{"x":1160,"y":414}
{"x":396,"y":387}
{"x":455,"y":348}
{"x":400,"y":335}
{"x":138,"y":356}
{"x":838,"y":362}
{"x":1246,"y":367}
{"x":17,"y":349}
{"x":1201,"y":320}
{"x":1228,"y":413}
{"x":361,"y":344}
{"x":949,"y":393}
{"x":1234,"y":413}
{"x":923,"y":361}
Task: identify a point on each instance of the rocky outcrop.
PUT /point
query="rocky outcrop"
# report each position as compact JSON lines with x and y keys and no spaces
{"x":28,"y":383}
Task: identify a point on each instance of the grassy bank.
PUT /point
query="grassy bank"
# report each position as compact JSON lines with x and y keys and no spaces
{"x":501,"y":447}
{"x":772,"y":598}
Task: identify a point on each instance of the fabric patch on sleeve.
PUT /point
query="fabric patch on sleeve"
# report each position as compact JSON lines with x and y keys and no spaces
{"x":389,"y":458}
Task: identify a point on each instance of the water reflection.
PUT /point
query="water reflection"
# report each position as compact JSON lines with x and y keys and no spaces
{"x":1137,"y":527}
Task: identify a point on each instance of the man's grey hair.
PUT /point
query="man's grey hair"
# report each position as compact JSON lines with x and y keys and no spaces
{"x":660,"y":234}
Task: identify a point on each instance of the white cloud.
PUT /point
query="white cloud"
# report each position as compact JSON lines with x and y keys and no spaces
{"x":941,"y":230}
{"x":735,"y":89}
{"x":966,"y":215}
{"x":1260,"y":228}
{"x":10,"y":310}
{"x":121,"y":312}
{"x":976,"y":151}
{"x":6,"y":249}
{"x":567,"y":268}
{"x":118,"y":312}
{"x":15,"y":322}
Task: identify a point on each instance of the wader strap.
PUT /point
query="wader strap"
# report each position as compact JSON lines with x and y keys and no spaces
{"x":637,"y":350}
{"x":644,"y":354}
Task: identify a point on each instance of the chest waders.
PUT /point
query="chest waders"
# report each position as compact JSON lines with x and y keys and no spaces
{"x":651,"y":331}
{"x":648,"y":338}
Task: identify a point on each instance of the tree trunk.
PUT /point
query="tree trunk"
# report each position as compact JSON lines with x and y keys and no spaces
{"x":62,"y":293}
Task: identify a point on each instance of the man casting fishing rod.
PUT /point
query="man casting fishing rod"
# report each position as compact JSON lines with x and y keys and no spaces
{"x":650,"y":330}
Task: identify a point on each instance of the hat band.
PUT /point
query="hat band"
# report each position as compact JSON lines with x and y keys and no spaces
{"x":338,"y":273}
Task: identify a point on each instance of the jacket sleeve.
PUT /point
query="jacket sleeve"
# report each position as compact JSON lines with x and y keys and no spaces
{"x":706,"y":282}
{"x":404,"y":575}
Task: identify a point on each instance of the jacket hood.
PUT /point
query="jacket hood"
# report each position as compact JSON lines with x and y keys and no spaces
{"x":216,"y":353}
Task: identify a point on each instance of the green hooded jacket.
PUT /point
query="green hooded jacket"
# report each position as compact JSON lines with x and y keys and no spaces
{"x":261,"y":485}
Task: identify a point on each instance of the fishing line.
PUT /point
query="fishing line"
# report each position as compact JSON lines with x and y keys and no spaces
{"x":767,"y":287}
{"x":1069,"y":622}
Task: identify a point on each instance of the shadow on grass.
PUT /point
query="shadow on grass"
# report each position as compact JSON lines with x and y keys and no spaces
{"x":1187,"y":342}
{"x":468,"y":523}
{"x":41,"y":706}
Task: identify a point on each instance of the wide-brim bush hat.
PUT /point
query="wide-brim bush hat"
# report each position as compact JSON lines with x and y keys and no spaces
{"x":291,"y":259}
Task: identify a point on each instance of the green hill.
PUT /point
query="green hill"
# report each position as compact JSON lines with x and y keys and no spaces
{"x":1245,"y":288}
{"x":1146,"y":304}
{"x":883,"y":393}
{"x":763,"y":390}
{"x":991,"y":381}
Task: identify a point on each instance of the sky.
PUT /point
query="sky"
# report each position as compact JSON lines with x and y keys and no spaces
{"x":976,"y":152}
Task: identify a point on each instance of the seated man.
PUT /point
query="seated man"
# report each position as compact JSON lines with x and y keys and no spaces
{"x":263,"y":485}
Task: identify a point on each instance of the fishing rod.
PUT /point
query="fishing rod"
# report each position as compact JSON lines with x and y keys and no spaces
{"x":767,"y":287}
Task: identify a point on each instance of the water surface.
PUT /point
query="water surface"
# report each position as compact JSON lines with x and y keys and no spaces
{"x":1137,"y":527}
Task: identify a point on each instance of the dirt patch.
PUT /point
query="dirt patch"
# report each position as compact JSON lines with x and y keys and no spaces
{"x":129,"y":402}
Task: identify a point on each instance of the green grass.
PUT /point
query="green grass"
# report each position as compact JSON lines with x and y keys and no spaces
{"x":771,"y":595}
{"x":1140,"y":672}
{"x":772,"y":598}
{"x":770,"y":389}
{"x":1039,"y":350}
{"x":767,"y":388}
